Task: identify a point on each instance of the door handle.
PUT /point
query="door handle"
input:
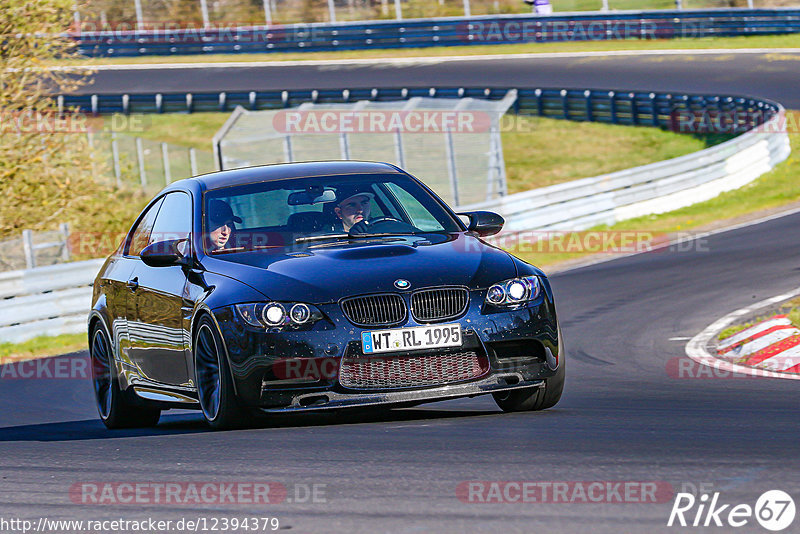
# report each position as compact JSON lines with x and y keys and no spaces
{"x":133,"y":283}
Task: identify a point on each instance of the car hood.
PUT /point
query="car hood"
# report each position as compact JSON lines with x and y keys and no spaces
{"x":327,"y":271}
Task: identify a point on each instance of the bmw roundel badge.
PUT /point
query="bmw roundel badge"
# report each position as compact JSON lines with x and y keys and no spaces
{"x":402,"y":284}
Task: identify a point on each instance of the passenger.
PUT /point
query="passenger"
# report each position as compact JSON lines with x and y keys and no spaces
{"x":220,"y":225}
{"x":354,"y":207}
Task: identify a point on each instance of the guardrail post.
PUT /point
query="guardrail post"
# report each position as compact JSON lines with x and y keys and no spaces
{"x":587,"y":95}
{"x":467,"y":13}
{"x":654,"y":108}
{"x":165,"y":158}
{"x":539,"y":103}
{"x":398,"y":11}
{"x":634,"y":110}
{"x":565,"y":103}
{"x":159,"y":103}
{"x":612,"y":107}
{"x":95,"y":105}
{"x":64,"y":229}
{"x":189,"y":103}
{"x":223,"y":101}
{"x":140,"y":160}
{"x":126,"y":104}
{"x":27,"y":248}
{"x":115,"y":158}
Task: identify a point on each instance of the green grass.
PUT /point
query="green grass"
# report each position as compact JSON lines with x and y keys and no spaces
{"x":545,"y":151}
{"x":774,"y":189}
{"x":772,"y":41}
{"x":790,"y":308}
{"x":42,"y":346}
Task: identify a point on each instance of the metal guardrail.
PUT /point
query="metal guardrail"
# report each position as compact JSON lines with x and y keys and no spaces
{"x":48,"y":300}
{"x":450,"y":31}
{"x":649,"y":189}
{"x":638,"y":108}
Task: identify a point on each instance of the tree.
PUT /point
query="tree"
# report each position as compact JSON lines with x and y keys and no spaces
{"x":45,"y":163}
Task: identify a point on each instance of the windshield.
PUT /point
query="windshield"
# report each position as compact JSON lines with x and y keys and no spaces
{"x":301,"y":212}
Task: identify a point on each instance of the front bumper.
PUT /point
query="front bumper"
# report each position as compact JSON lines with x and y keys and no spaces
{"x":521,"y":346}
{"x":333,"y":400}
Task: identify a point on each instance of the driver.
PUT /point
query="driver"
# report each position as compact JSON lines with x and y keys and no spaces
{"x":220,"y":224}
{"x":354,"y":207}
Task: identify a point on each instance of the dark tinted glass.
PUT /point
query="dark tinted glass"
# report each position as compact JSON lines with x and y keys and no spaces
{"x":140,"y":237}
{"x":174,"y":220}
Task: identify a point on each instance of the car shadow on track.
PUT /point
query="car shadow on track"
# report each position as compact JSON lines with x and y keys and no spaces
{"x":190,"y":423}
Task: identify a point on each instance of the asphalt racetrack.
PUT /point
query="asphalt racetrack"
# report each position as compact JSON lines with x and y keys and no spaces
{"x":626,"y":415}
{"x":768,"y":75}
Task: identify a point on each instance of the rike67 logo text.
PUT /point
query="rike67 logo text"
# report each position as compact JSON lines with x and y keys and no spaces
{"x":774,"y":510}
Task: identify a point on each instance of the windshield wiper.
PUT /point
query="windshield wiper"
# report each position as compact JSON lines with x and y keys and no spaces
{"x":319,"y":237}
{"x":348,"y":236}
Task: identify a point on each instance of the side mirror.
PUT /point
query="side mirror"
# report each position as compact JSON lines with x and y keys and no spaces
{"x":163,"y":253}
{"x":484,"y":223}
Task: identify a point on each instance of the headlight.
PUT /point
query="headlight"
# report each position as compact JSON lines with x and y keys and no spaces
{"x":275,"y":314}
{"x":513,"y":292}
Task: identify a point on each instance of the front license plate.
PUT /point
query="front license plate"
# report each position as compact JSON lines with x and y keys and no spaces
{"x":413,"y":338}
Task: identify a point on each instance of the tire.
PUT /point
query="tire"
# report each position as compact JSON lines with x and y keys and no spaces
{"x":538,"y":398}
{"x":114,"y":409}
{"x":215,"y":392}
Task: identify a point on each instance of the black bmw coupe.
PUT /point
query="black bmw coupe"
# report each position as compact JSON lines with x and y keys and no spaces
{"x":315,"y":286}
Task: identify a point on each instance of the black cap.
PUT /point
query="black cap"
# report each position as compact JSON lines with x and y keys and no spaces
{"x":220,"y":213}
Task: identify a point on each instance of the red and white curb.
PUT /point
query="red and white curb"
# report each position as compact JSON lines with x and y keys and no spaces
{"x":769,"y":349}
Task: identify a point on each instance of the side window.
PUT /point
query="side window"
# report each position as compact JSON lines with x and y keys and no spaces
{"x":140,"y":237}
{"x":174,"y":220}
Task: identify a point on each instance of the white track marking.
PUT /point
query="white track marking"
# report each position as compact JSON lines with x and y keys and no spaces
{"x":696,"y":348}
{"x":753,"y":330}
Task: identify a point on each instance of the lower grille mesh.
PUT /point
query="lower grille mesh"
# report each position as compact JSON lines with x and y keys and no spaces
{"x":387,"y":372}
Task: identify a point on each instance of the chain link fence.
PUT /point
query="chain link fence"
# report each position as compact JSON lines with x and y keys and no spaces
{"x":105,"y":15}
{"x":128,"y":161}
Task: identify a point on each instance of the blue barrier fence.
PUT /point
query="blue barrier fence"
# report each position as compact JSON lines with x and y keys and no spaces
{"x":495,"y":29}
{"x":674,"y":111}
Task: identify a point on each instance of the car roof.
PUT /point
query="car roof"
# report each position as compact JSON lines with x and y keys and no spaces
{"x":280,"y":171}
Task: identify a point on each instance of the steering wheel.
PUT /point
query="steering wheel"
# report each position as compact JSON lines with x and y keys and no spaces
{"x":392,"y":225}
{"x":377,"y":220}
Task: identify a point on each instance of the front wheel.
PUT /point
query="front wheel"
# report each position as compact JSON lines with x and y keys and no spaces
{"x":538,"y":398}
{"x":215,"y":391}
{"x":113,"y":407}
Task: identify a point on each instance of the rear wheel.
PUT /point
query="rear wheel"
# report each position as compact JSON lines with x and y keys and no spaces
{"x":538,"y":398}
{"x":114,"y":410}
{"x":218,"y":400}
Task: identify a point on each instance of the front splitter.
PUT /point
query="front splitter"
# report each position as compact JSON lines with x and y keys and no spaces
{"x":333,"y":400}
